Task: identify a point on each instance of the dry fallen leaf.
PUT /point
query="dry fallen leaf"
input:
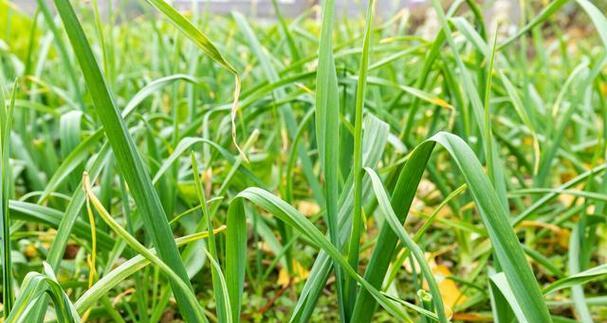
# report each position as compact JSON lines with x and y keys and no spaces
{"x":448,"y":288}
{"x":308,"y":208}
{"x":300,"y":273}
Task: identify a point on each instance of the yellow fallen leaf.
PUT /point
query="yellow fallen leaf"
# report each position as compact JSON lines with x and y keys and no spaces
{"x":448,"y":288}
{"x":308,"y":208}
{"x":283,"y":277}
{"x":450,"y":292}
{"x":299,"y":273}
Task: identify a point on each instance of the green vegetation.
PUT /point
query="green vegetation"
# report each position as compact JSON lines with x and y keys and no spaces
{"x":189,"y":167}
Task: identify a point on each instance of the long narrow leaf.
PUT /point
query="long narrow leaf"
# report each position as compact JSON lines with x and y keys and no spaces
{"x":128,"y":159}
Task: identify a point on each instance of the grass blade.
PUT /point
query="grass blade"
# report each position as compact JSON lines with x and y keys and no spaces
{"x":375,"y":138}
{"x":357,"y":217}
{"x":130,"y":267}
{"x":286,"y":109}
{"x":493,"y":213}
{"x":36,"y":285}
{"x":203,"y":43}
{"x":6,"y":120}
{"x":395,"y":225}
{"x":194,"y":309}
{"x":128,"y":159}
{"x":580,"y":278}
{"x":577,"y":292}
{"x":236,"y":254}
{"x":223,"y":305}
{"x":500,"y":281}
{"x":598,"y":18}
{"x":327,"y":134}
